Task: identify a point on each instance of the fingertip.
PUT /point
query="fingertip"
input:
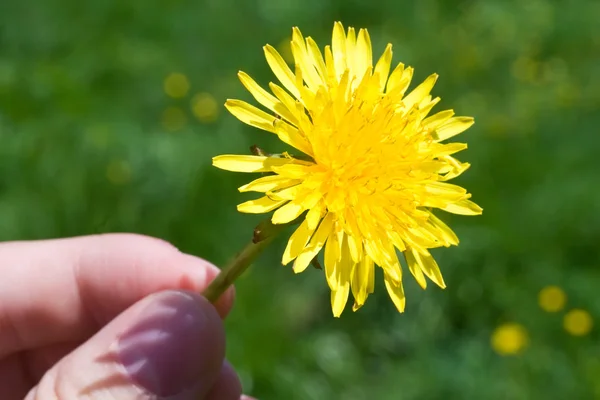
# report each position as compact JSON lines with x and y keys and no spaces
{"x":134,"y":242}
{"x":202,"y":274}
{"x":227,"y":386}
{"x":98,"y":277}
{"x":171,"y":344}
{"x":177,"y":342}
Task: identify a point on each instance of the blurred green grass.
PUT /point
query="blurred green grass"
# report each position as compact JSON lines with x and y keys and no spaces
{"x":90,"y":142}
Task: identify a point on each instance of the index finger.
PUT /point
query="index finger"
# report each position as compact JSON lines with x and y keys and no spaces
{"x":64,"y":290}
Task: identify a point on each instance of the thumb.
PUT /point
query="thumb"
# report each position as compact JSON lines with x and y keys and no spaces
{"x":168,"y":345}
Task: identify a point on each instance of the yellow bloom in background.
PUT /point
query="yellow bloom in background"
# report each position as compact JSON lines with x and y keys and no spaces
{"x":552,"y":299}
{"x":176,"y":85}
{"x":578,"y":322}
{"x":205,"y":107}
{"x":374,"y":165}
{"x":509,"y":339}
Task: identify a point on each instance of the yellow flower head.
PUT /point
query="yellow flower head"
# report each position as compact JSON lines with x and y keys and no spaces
{"x":373,"y":166}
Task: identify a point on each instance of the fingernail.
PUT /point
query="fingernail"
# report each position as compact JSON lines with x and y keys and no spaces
{"x":175,"y":342}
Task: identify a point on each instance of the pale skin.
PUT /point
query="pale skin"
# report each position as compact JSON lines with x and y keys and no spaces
{"x":64,"y":305}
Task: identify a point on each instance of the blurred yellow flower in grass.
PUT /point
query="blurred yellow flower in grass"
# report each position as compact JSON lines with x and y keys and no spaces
{"x":373,"y":168}
{"x":552,"y":299}
{"x":578,"y":322}
{"x":205,"y":107}
{"x":509,"y":339}
{"x":176,"y":85}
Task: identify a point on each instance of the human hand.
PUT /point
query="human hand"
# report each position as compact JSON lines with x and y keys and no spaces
{"x":110,"y":317}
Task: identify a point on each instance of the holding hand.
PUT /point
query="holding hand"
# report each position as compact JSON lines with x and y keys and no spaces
{"x":110,"y":317}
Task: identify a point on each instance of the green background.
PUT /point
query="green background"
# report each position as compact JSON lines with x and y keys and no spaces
{"x":85,"y":148}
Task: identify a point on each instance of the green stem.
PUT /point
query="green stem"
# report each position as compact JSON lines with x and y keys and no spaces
{"x":263,"y":236}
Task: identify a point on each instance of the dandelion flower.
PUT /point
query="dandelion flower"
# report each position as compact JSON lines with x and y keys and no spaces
{"x":370,"y":167}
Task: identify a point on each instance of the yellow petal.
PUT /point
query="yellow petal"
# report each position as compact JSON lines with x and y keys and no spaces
{"x":442,"y":189}
{"x":397,"y":240}
{"x":332,"y":256}
{"x":352,"y":227}
{"x":463,"y":207}
{"x":302,"y":58}
{"x":350,"y":47}
{"x":244,"y":163}
{"x":338,"y":48}
{"x":314,"y":215}
{"x":355,"y":248}
{"x":285,"y":98}
{"x":395,"y":77}
{"x":364,"y":85}
{"x":360,"y":282}
{"x":382,"y":257}
{"x":453,"y":127}
{"x":339,"y":95}
{"x":305,"y":124}
{"x":429,"y":267}
{"x":426,"y":105}
{"x":437,"y":119}
{"x":297,"y":37}
{"x":435,"y":238}
{"x":265,"y":98}
{"x":417,"y":95}
{"x":393,"y":267}
{"x":317,"y":58}
{"x":415,"y":268}
{"x":287,"y":213}
{"x":373,"y":252}
{"x":447,"y":233}
{"x":441,"y":150}
{"x":405,"y":80}
{"x":290,"y":193}
{"x":399,"y":80}
{"x":312,"y":199}
{"x":455,"y":172}
{"x":371,"y":268}
{"x":316,"y":244}
{"x":281,"y":70}
{"x":382,"y":68}
{"x":416,"y":242}
{"x":268,"y":183}
{"x":251,"y":115}
{"x":339,"y":298}
{"x":294,"y":171}
{"x":299,"y":79}
{"x":363,"y":57}
{"x":424,"y":236}
{"x":297,"y":242}
{"x":290,"y":135}
{"x":338,"y":268}
{"x":330,"y":66}
{"x":453,"y":168}
{"x":260,"y":206}
{"x":396,"y":292}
